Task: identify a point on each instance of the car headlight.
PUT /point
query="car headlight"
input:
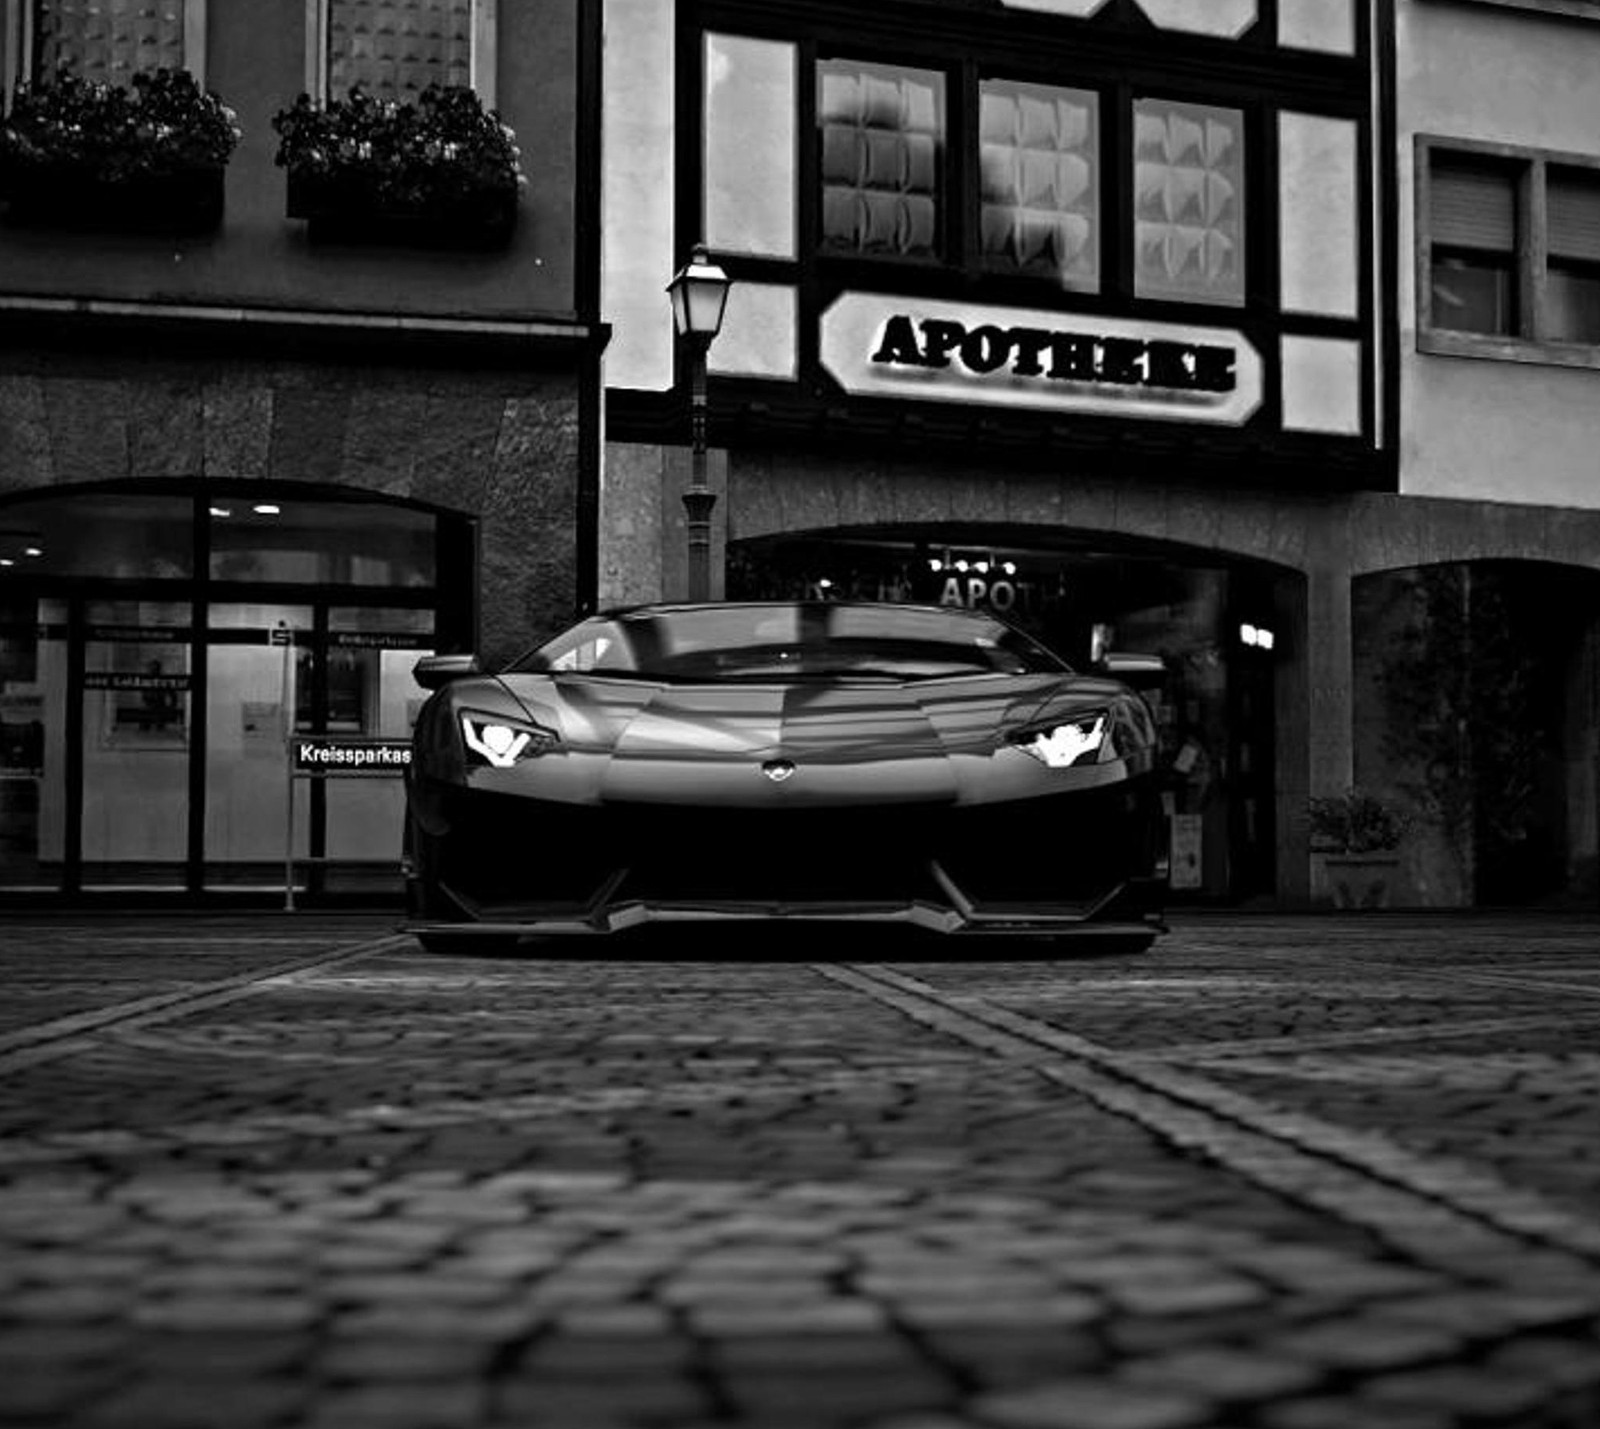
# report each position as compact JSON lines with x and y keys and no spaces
{"x":500,"y":742}
{"x":1065,"y":743}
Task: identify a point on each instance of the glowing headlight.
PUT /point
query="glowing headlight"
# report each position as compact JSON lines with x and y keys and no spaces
{"x":1071,"y":741}
{"x":502,"y":742}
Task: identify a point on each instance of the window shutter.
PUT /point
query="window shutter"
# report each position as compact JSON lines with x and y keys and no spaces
{"x":1472,"y":205}
{"x":1573,"y":214}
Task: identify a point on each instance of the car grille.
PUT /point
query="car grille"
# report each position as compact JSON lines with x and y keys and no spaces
{"x":1068,"y":850}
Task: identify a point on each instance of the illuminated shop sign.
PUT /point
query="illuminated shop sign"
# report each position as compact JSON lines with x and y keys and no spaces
{"x":884,"y":346}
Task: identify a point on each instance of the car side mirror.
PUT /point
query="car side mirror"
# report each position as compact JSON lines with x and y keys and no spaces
{"x":434,"y":672}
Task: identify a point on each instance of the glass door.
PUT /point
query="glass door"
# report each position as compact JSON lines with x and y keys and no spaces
{"x":370,"y":653}
{"x":258,"y":659}
{"x":134,"y":743}
{"x":33,"y":752}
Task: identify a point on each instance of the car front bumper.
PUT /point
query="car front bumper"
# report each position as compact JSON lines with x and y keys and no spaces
{"x":1084,"y":861}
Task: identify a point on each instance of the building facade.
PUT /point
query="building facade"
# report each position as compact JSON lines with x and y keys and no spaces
{"x":1074,"y":310}
{"x":1103,"y":314}
{"x":1487,"y":593}
{"x":269,"y":427}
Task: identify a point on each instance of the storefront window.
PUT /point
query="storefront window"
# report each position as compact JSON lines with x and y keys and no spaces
{"x":288,"y":539}
{"x":125,"y":537}
{"x":160,"y":651}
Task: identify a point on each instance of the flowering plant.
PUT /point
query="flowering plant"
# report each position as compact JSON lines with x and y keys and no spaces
{"x":444,"y":152}
{"x":1356,"y":822}
{"x":160,"y":126}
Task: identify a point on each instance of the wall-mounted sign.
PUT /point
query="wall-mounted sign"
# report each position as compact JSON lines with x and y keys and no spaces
{"x":881,"y":345}
{"x":324,"y":754}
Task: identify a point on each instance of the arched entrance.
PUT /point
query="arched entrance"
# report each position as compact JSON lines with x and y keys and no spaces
{"x":160,"y":644}
{"x":1478,"y":709}
{"x":1216,"y":627}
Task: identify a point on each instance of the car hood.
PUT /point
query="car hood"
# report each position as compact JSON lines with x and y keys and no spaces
{"x":869,"y":739}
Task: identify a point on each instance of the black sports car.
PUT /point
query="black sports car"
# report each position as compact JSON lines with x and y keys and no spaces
{"x":827,"y":761}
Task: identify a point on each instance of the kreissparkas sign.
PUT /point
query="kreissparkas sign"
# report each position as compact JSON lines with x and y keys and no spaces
{"x":880,"y":345}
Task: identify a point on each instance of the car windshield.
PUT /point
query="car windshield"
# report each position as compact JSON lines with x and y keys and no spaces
{"x":796,"y":641}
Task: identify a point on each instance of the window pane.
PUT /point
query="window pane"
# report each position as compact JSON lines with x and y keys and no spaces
{"x":1572,"y":302}
{"x":1472,"y":202}
{"x":750,"y":146}
{"x":394,"y":49}
{"x":882,"y":144}
{"x":1473,"y":292}
{"x":1574,"y":213}
{"x":1188,"y":202}
{"x":320,"y":542}
{"x":95,"y":534}
{"x":1040,"y":170}
{"x":107,"y":40}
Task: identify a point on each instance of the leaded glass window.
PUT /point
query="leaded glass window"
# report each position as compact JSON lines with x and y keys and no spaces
{"x":882,"y":132}
{"x":1188,"y":202}
{"x":107,"y":40}
{"x":394,"y":49}
{"x":1038,"y":157}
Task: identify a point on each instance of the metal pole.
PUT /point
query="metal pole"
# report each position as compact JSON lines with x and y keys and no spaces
{"x":288,"y":762}
{"x":699,"y":499}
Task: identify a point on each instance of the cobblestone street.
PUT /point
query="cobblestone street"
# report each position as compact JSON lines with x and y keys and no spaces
{"x":1277,"y":1173}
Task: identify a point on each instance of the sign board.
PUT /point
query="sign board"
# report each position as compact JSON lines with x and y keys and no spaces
{"x":1183,"y":857}
{"x":883,"y":345}
{"x":338,"y":755}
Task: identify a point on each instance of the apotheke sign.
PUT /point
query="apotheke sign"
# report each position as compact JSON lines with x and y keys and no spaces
{"x":884,"y":346}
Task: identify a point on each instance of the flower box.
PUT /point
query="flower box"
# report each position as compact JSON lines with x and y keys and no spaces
{"x":146,"y":158}
{"x":443,"y":172}
{"x":339,"y":212}
{"x":173,"y":204}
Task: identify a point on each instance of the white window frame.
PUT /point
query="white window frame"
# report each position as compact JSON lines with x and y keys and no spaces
{"x":1530,"y":257}
{"x":18,"y":41}
{"x":482,"y":62}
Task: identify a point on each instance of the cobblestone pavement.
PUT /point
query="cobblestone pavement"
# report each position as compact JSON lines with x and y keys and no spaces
{"x":1318,"y":1173}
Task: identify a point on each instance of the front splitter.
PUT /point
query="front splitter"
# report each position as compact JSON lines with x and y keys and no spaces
{"x":932,"y":917}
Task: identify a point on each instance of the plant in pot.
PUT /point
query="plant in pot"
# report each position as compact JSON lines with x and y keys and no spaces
{"x":443,"y":171}
{"x":148,"y":156}
{"x":1355,"y":840}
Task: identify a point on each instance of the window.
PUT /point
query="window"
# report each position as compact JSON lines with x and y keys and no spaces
{"x":394,"y":49}
{"x":112,"y":40}
{"x":1508,"y":253}
{"x":1004,"y":178}
{"x":1039,"y":162}
{"x":1188,"y":223}
{"x":882,"y":131}
{"x":1572,"y":276}
{"x":1474,"y":216}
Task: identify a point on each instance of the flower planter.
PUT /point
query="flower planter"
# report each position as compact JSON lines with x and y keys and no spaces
{"x":339,"y":212}
{"x":174,"y":204}
{"x":1354,"y":880}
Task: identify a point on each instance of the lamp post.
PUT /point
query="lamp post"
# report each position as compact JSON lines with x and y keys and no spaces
{"x":699,"y":293}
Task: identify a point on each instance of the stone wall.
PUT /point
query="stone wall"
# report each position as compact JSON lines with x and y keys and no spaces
{"x":502,"y":446}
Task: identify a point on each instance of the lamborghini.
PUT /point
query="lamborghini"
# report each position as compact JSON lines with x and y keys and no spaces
{"x":782,"y":762}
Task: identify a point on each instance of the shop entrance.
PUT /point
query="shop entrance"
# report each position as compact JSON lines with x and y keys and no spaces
{"x":1212,"y":627}
{"x":151,"y":671}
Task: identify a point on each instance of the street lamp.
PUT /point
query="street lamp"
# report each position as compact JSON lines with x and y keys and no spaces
{"x":699,"y":293}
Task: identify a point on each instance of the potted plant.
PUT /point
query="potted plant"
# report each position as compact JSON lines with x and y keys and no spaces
{"x":148,"y":156}
{"x":444,"y":171}
{"x":1355,"y":840}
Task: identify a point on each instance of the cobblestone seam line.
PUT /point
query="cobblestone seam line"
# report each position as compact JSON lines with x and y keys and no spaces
{"x":63,"y":1035}
{"x":1454,"y":975}
{"x":1362,"y":1037}
{"x":1438,"y":1211}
